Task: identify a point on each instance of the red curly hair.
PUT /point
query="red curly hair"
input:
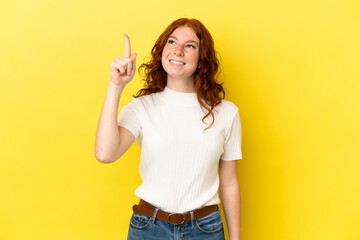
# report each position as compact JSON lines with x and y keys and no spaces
{"x":205,"y":77}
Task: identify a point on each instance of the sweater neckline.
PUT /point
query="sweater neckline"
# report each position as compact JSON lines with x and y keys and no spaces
{"x":179,"y":98}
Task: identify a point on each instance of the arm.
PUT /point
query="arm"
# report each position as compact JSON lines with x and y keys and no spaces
{"x":230,"y":197}
{"x":112,"y":141}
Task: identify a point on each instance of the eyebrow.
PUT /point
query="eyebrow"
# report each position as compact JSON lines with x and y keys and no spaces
{"x":171,"y":36}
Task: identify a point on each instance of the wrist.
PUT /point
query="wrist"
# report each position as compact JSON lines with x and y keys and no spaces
{"x":116,"y":86}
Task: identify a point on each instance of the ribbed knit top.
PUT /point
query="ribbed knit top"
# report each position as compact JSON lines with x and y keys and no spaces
{"x":179,"y":161}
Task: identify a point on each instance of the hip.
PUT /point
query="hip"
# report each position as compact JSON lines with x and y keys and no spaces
{"x":208,"y":227}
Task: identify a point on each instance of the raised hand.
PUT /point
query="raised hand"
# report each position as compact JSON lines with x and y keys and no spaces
{"x":123,"y":69}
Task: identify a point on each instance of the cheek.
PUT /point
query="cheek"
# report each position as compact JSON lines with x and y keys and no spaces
{"x":165,"y":50}
{"x":163,"y":58}
{"x":164,"y":61}
{"x":164,"y":54}
{"x":196,"y":59}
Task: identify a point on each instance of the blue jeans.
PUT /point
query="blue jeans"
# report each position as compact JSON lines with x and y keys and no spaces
{"x":209,"y":227}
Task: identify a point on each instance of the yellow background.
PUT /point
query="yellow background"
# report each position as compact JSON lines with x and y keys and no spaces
{"x":292,"y":68}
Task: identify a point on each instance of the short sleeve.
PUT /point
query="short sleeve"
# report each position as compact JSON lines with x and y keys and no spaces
{"x":232,"y":146}
{"x":129,"y":120}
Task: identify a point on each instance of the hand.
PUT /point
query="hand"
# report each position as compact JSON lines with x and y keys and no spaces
{"x":123,"y":69}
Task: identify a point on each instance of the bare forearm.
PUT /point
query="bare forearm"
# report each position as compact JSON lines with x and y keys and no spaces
{"x":107,"y":139}
{"x":230,"y":197}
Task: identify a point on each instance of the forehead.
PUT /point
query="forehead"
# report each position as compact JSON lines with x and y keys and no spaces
{"x":185,"y":33}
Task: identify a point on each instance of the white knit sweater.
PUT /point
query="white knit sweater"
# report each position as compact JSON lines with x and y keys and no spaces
{"x":179,"y":161}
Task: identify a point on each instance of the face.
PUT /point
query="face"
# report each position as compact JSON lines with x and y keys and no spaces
{"x":180,"y":55}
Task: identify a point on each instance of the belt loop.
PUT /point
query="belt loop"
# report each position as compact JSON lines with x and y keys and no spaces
{"x":192,"y":218}
{"x":154,"y":216}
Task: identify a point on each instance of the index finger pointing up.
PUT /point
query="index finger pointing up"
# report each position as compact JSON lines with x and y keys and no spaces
{"x":127,"y":46}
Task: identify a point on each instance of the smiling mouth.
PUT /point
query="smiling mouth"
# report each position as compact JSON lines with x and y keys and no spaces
{"x":176,"y":62}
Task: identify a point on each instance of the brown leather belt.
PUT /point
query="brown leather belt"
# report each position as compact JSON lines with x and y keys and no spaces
{"x":146,"y":209}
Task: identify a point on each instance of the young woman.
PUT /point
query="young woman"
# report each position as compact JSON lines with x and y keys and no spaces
{"x":186,"y":131}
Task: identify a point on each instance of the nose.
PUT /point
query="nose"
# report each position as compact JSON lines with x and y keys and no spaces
{"x":179,"y":51}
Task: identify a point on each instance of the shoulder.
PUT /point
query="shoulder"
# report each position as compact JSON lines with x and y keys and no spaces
{"x":143,"y":101}
{"x":227,"y":107}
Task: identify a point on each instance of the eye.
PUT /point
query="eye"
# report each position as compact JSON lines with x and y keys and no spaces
{"x":190,"y":46}
{"x":171,"y":41}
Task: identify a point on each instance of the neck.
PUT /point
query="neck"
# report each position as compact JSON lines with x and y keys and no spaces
{"x":181,"y":85}
{"x":179,"y":98}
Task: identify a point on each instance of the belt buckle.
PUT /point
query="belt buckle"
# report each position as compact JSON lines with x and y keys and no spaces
{"x":172,"y":214}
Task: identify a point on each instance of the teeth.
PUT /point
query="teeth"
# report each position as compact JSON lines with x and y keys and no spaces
{"x":177,"y":63}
